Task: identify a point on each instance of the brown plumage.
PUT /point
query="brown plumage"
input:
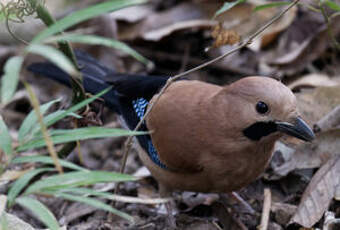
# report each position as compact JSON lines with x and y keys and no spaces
{"x":197,"y":129}
{"x":205,"y":138}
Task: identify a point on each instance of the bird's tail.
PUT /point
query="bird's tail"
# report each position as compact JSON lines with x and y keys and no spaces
{"x":93,"y":73}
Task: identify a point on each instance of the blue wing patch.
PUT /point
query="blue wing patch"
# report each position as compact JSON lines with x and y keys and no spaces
{"x":139,"y":105}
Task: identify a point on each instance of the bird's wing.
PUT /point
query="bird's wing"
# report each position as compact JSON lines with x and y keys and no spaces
{"x":134,"y":93}
{"x":136,"y":86}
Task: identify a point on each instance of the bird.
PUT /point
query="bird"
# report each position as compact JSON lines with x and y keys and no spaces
{"x":203,"y":137}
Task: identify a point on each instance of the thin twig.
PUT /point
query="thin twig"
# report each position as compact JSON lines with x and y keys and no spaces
{"x":128,"y":144}
{"x":266,"y":209}
{"x":79,"y":151}
{"x":47,"y":137}
{"x":13,"y":35}
{"x":236,"y":196}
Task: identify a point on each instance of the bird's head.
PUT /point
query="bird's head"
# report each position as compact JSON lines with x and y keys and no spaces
{"x":267,"y":109}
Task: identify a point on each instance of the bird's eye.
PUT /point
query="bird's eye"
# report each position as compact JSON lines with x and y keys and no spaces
{"x":261,"y":107}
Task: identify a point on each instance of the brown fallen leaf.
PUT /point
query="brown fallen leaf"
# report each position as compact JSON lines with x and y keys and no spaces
{"x":133,"y":14}
{"x":316,"y":103}
{"x":304,"y":155}
{"x":158,"y":24}
{"x":298,"y":56}
{"x":224,"y":36}
{"x":318,"y":194}
{"x":156,"y":35}
{"x":283,"y":212}
{"x":15,"y":223}
{"x":337,"y":193}
{"x":329,"y":122}
{"x":269,"y":35}
{"x":331,"y":223}
{"x":313,"y":80}
{"x":150,"y":24}
{"x":10,"y":175}
{"x":245,"y":21}
{"x":191,"y":199}
{"x":226,"y":218}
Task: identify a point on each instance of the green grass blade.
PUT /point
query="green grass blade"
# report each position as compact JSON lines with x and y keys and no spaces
{"x":76,"y":107}
{"x":95,"y":203}
{"x":10,"y":79}
{"x":5,"y":138}
{"x":47,"y":119}
{"x":270,"y":5}
{"x":227,"y":6}
{"x":84,"y":14}
{"x":40,"y":211}
{"x":110,"y":196}
{"x":75,"y":179}
{"x":55,"y":56}
{"x":97,"y":40}
{"x":31,"y":120}
{"x":332,"y":4}
{"x":70,"y":135}
{"x":46,"y":160}
{"x":21,"y":183}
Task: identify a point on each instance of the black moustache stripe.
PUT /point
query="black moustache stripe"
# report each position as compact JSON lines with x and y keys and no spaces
{"x":259,"y":129}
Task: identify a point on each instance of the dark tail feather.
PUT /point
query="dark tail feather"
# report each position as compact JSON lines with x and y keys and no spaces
{"x":90,"y":66}
{"x":93,"y":77}
{"x":51,"y":71}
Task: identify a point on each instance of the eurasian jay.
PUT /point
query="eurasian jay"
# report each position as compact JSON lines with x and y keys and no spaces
{"x":205,"y":137}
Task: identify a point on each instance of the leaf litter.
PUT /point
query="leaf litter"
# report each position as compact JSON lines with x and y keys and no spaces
{"x":174,"y":35}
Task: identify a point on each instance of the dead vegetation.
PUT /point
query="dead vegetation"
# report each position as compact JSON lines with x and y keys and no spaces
{"x":301,"y":187}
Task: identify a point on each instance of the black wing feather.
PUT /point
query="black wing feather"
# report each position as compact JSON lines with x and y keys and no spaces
{"x":122,"y":98}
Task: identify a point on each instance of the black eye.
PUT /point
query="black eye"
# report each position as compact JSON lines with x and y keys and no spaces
{"x":261,"y":107}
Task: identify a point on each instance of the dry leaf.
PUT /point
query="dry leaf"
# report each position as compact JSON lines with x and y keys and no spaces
{"x":283,"y":212}
{"x":201,"y":225}
{"x":318,"y":194}
{"x":269,"y":35}
{"x":159,"y":24}
{"x":315,"y":104}
{"x":189,"y":15}
{"x":133,"y":14}
{"x":15,"y":223}
{"x":10,"y":175}
{"x":304,"y":155}
{"x":225,"y":217}
{"x":224,"y":36}
{"x":191,"y":199}
{"x":313,"y":80}
{"x":310,"y":48}
{"x":337,"y":193}
{"x":331,"y":223}
{"x":329,"y":122}
{"x":156,"y":35}
{"x":245,"y":21}
{"x":142,"y":172}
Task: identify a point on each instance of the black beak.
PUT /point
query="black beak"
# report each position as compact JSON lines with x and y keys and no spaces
{"x":298,"y":129}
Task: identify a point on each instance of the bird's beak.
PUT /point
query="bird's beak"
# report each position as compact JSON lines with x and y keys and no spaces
{"x":298,"y":128}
